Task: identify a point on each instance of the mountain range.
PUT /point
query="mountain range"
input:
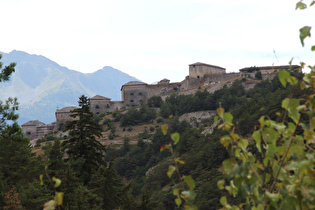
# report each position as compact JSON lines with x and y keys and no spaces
{"x":41,"y":85}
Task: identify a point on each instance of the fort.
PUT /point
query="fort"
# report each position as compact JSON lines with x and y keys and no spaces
{"x":201,"y":76}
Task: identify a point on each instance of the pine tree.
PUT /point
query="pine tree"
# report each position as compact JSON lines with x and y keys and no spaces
{"x":84,"y":151}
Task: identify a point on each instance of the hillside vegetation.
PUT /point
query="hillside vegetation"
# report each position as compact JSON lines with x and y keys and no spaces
{"x":134,"y":138}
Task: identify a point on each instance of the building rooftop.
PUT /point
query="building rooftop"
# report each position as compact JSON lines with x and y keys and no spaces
{"x":271,"y":67}
{"x":133,"y":83}
{"x":66,"y":109}
{"x":33,"y":123}
{"x":98,"y":97}
{"x":204,"y":64}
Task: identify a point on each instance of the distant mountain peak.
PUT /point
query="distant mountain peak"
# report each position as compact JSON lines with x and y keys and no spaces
{"x":41,"y":85}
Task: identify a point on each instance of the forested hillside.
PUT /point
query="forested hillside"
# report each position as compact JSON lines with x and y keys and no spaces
{"x":134,"y":176}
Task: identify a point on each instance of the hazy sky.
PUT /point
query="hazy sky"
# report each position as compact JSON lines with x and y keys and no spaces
{"x":158,"y":39}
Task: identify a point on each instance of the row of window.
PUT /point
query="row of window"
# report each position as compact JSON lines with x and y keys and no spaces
{"x":140,"y":94}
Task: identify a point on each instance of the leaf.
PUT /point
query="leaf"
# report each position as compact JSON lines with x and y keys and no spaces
{"x":176,"y":192}
{"x":283,"y":77}
{"x":59,"y":198}
{"x":57,"y":182}
{"x":164,"y":129}
{"x":163,"y":147}
{"x":190,"y":182}
{"x":215,"y":119}
{"x":305,"y":32}
{"x":225,"y":141}
{"x":50,"y":205}
{"x":257,"y":138}
{"x":313,"y":48}
{"x":285,"y":103}
{"x":300,"y":5}
{"x":190,"y":207}
{"x":175,"y":137}
{"x":171,"y":170}
{"x":220,"y":111}
{"x":178,"y":201}
{"x":221,"y":184}
{"x":228,"y":117}
{"x":293,"y":111}
{"x":228,"y":165}
{"x":223,"y":200}
{"x":243,"y":143}
{"x":41,"y":179}
{"x":313,"y":2}
{"x":179,"y":161}
{"x":302,"y":85}
{"x":270,"y":135}
{"x":188,"y":195}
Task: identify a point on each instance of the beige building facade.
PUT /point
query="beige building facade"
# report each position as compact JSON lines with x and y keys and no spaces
{"x":199,"y":70}
{"x":250,"y":72}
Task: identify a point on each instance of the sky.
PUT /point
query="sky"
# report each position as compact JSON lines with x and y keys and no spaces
{"x":156,"y":39}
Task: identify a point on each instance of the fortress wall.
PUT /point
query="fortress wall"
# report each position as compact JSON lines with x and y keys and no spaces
{"x":198,"y":71}
{"x":29,"y":131}
{"x":189,"y":84}
{"x":116,"y":105}
{"x":63,"y":117}
{"x":221,"y":78}
{"x":99,"y":106}
{"x":269,"y":76}
{"x":41,"y":131}
{"x":163,"y":89}
{"x":134,"y":94}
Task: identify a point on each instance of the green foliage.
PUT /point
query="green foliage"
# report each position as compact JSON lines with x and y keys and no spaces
{"x":306,"y":30}
{"x":135,"y":116}
{"x":258,"y":75}
{"x":252,"y":69}
{"x":155,"y":101}
{"x":185,"y":194}
{"x":177,"y":105}
{"x":7,"y":71}
{"x":281,"y":176}
{"x":84,"y":151}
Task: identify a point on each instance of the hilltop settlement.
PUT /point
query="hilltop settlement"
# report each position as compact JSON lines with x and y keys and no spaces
{"x":201,"y":76}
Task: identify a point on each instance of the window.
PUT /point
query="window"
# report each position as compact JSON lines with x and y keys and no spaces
{"x":131,"y":101}
{"x":107,"y":106}
{"x":131,"y":94}
{"x":140,"y":94}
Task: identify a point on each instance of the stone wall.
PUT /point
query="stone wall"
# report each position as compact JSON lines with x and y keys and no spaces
{"x":29,"y":129}
{"x":41,"y":131}
{"x":63,"y":116}
{"x":198,"y":70}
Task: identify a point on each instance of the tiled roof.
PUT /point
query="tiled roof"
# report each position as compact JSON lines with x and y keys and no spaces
{"x":33,"y":123}
{"x":66,"y":109}
{"x":204,"y":64}
{"x":98,"y":97}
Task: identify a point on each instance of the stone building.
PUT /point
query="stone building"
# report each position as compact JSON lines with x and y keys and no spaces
{"x":134,"y":92}
{"x":199,"y":70}
{"x":42,"y":130}
{"x":250,"y":72}
{"x":63,"y":116}
{"x":100,"y":104}
{"x":29,"y":128}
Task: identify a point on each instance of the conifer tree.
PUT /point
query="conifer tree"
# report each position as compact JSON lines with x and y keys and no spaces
{"x":84,"y":151}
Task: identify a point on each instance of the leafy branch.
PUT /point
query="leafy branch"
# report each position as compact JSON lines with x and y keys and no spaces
{"x":188,"y":195}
